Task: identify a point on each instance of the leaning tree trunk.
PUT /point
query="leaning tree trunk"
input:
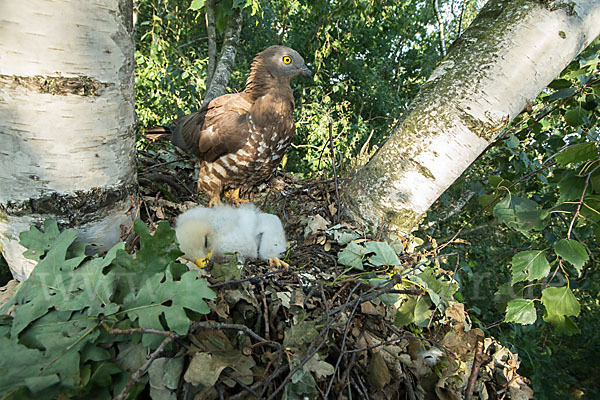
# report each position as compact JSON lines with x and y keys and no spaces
{"x":512,"y":50}
{"x":222,"y":71}
{"x":67,"y":120}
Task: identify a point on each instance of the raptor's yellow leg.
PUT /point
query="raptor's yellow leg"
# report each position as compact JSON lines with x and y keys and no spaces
{"x":215,"y":200}
{"x":234,"y":196}
{"x":276,"y":262}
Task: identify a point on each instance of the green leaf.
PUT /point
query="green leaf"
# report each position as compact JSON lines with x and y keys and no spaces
{"x":197,"y":4}
{"x":572,"y":251}
{"x":148,"y":305}
{"x":38,"y":243}
{"x":62,"y":336}
{"x":56,"y":282}
{"x":563,"y":325}
{"x":512,"y":141}
{"x":384,"y":254}
{"x":530,"y":265}
{"x":497,"y":181}
{"x":299,"y":336}
{"x":577,"y":153}
{"x":156,"y":251}
{"x":560,"y":301}
{"x":45,"y":287}
{"x":562,"y":94}
{"x":520,"y":311}
{"x":352,"y":255}
{"x":559,"y":84}
{"x":301,"y":386}
{"x":575,"y":116}
{"x":485,"y":199}
{"x":570,"y":187}
{"x":436,"y":287}
{"x":520,"y":214}
{"x":595,"y":182}
{"x":423,"y":311}
{"x":406,"y":313}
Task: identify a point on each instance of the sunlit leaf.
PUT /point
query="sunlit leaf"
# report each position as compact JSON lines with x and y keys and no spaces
{"x":521,"y":311}
{"x":560,"y":301}
{"x":384,"y":254}
{"x":529,"y":265}
{"x":572,"y":251}
{"x":197,"y":4}
{"x":352,"y":255}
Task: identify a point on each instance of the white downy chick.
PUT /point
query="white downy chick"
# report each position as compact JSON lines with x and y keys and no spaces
{"x":245,"y":231}
{"x":194,"y":233}
{"x":271,"y":237}
{"x":235,"y":231}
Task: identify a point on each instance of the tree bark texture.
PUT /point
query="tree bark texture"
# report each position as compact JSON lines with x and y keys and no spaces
{"x":211,"y":29}
{"x":220,"y":78}
{"x":67,"y":121}
{"x":508,"y":55}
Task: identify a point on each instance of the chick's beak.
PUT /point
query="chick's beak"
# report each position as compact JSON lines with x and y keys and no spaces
{"x":203,"y":262}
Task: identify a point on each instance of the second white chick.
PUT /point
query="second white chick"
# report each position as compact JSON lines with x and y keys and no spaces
{"x":224,"y":229}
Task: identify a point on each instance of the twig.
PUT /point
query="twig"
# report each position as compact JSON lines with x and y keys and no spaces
{"x":114,"y":331}
{"x":477,"y":361}
{"x":580,"y":202}
{"x":343,"y":347}
{"x":218,"y":326}
{"x":335,"y":178}
{"x":252,"y":279}
{"x":137,"y":375}
{"x":410,"y":390}
{"x":266,"y":310}
{"x":313,"y":348}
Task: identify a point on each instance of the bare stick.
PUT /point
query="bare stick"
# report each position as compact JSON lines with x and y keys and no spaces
{"x":477,"y":361}
{"x":137,"y":375}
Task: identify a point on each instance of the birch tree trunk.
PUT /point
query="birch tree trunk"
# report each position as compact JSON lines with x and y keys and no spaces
{"x":67,"y":120}
{"x":508,"y":55}
{"x":222,"y":72}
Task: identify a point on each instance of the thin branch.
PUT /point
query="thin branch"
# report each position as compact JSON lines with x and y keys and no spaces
{"x":137,"y":375}
{"x":218,"y":326}
{"x":477,"y":361}
{"x":337,"y":193}
{"x":252,"y":279}
{"x":580,"y":202}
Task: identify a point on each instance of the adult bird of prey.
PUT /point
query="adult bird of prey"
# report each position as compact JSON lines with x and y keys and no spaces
{"x":240,"y":138}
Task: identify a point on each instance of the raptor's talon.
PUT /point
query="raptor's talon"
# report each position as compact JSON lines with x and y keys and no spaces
{"x":234,"y":196}
{"x":276,"y":262}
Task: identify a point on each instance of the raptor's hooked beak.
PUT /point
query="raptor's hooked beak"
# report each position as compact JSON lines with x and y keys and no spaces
{"x":305,"y":71}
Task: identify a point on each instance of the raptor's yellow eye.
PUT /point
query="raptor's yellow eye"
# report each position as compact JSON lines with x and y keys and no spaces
{"x":287,"y":60}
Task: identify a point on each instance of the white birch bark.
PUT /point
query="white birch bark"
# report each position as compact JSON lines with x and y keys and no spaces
{"x":220,"y":76}
{"x":505,"y":58}
{"x":67,"y":120}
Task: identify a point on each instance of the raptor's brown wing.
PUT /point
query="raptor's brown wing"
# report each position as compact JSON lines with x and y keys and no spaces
{"x":217,"y":129}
